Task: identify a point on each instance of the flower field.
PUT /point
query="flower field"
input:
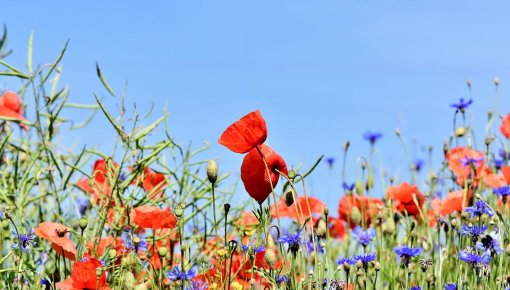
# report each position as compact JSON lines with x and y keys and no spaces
{"x":154,"y":214}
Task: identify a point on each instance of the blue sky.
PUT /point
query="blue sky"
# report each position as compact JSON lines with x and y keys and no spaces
{"x":321,"y":72}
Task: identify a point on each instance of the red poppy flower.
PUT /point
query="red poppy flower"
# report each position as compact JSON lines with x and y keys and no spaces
{"x":461,"y":161}
{"x":366,"y":206}
{"x":505,"y":126}
{"x":10,"y":107}
{"x":103,"y":244}
{"x":247,"y":221}
{"x":254,"y":173}
{"x":454,"y":201}
{"x":305,"y":208}
{"x":152,"y":217}
{"x":152,"y":182}
{"x":84,"y":276}
{"x":403,"y":197}
{"x":243,"y":135}
{"x":56,"y":234}
{"x":99,"y":186}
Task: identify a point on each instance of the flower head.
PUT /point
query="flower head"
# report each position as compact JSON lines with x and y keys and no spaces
{"x":372,"y":137}
{"x":348,"y":187}
{"x":85,"y":276}
{"x":153,"y":217}
{"x":363,"y":236}
{"x":505,"y":126}
{"x":462,"y":105}
{"x":292,"y":240}
{"x":406,"y":198}
{"x":349,"y":261}
{"x":281,"y":279}
{"x":177,"y":275}
{"x":25,"y":241}
{"x":406,"y":253}
{"x":473,"y":231}
{"x":450,"y":286}
{"x":471,"y":161}
{"x":479,"y":208}
{"x":10,"y":107}
{"x":243,"y":135}
{"x":471,"y":257}
{"x":254,"y":172}
{"x":502,"y":191}
{"x":365,"y":258}
{"x":57,"y":234}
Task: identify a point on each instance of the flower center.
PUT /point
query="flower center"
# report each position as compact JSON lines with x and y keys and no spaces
{"x":61,"y":232}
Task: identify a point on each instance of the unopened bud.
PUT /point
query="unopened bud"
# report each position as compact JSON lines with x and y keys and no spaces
{"x":460,"y":131}
{"x":397,"y":132}
{"x":292,"y":174}
{"x":83,"y":223}
{"x":212,"y":171}
{"x":270,"y":258}
{"x":112,"y":253}
{"x":289,"y":198}
{"x":496,"y":81}
{"x":162,"y":251}
{"x":129,"y":281}
{"x":346,"y":145}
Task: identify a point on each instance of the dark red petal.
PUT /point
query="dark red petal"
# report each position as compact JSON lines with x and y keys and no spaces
{"x":246,"y":133}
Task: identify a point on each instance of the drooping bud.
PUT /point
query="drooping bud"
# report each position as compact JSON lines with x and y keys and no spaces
{"x":212,"y":171}
{"x":320,"y":230}
{"x":460,"y":132}
{"x":162,"y":251}
{"x":226,"y":207}
{"x":83,"y":223}
{"x":289,"y":198}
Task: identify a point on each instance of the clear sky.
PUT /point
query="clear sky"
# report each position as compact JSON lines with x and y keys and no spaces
{"x":321,"y":72}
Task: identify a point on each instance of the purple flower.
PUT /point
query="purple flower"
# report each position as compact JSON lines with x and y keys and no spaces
{"x":468,"y":161}
{"x":341,"y":261}
{"x":406,"y":253}
{"x":363,"y":237}
{"x":293,"y":240}
{"x":503,"y":154}
{"x":418,"y":164}
{"x":491,"y":243}
{"x":281,"y":279}
{"x":479,"y":208}
{"x":247,"y":247}
{"x":473,"y":258}
{"x":198,"y":285}
{"x":415,"y":288}
{"x":372,"y":137}
{"x":450,"y":286}
{"x":503,"y":191}
{"x":348,"y":187}
{"x":462,"y":105}
{"x":320,"y":249}
{"x":25,"y":241}
{"x":177,"y":275}
{"x":330,"y":161}
{"x":365,"y":258}
{"x":473,"y":231}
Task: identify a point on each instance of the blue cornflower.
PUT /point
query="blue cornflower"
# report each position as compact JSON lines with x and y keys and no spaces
{"x":491,"y":243}
{"x":418,"y":164}
{"x":473,"y":258}
{"x":363,"y":237}
{"x":415,"y":288}
{"x":365,"y":258}
{"x":1,"y":214}
{"x":372,"y":137}
{"x":198,"y":285}
{"x":341,"y":261}
{"x":24,"y":241}
{"x":245,"y":248}
{"x":293,"y":240}
{"x":177,"y":275}
{"x":473,"y":231}
{"x":450,"y":286}
{"x":42,"y":258}
{"x":348,"y":187}
{"x":281,"y":279}
{"x":330,"y":161}
{"x":130,"y":245}
{"x":468,"y":161}
{"x":503,"y":191}
{"x":311,"y":249}
{"x":462,"y":104}
{"x":498,"y":163}
{"x":44,"y":282}
{"x":479,"y":208}
{"x":504,"y":154}
{"x":406,"y":253}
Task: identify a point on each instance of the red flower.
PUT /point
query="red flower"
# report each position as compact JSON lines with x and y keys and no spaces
{"x":336,"y":227}
{"x":505,"y":126}
{"x":404,"y":196}
{"x":99,"y":185}
{"x":84,"y":276}
{"x":243,"y":135}
{"x":152,"y":217}
{"x":10,"y":107}
{"x":152,"y":182}
{"x":454,"y":201}
{"x":303,"y":211}
{"x":254,"y":173}
{"x":56,"y":234}
{"x":366,"y":206}
{"x":247,"y":221}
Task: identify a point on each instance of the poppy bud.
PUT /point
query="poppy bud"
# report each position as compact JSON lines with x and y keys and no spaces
{"x":326,"y":211}
{"x":346,"y":145}
{"x":346,"y":266}
{"x":496,"y":81}
{"x":112,"y":253}
{"x":468,"y":83}
{"x":83,"y":223}
{"x":179,"y":211}
{"x":397,"y":132}
{"x":162,"y":251}
{"x":320,"y":231}
{"x":270,"y":242}
{"x":453,"y":224}
{"x":270,"y":258}
{"x":99,"y":271}
{"x":129,"y":281}
{"x":212,"y":171}
{"x":392,"y":179}
{"x":370,"y":181}
{"x":128,"y":260}
{"x":292,"y":174}
{"x":377,"y":266}
{"x":488,"y":140}
{"x":460,"y":131}
{"x":355,"y":215}
{"x":289,"y":198}
{"x":226,"y":207}
{"x":359,"y":188}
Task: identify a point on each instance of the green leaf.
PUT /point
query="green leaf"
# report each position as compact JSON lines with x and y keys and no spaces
{"x":30,"y":47}
{"x":13,"y":74}
{"x":149,"y":128}
{"x":54,"y":65}
{"x":105,"y":84}
{"x":109,"y":117}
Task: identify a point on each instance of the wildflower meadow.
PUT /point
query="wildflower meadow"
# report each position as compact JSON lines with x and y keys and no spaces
{"x":155,"y":214}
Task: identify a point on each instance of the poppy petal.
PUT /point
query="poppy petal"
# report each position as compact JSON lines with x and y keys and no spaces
{"x":246,"y":133}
